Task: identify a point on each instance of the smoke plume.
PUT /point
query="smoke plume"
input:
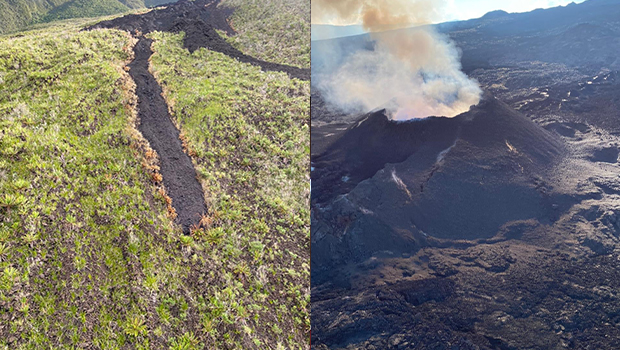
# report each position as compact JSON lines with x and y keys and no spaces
{"x":414,"y":73}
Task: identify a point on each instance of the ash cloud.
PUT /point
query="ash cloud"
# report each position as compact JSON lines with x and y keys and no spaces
{"x":414,"y":73}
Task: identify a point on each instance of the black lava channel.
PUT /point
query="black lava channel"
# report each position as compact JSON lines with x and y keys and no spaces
{"x":156,"y":125}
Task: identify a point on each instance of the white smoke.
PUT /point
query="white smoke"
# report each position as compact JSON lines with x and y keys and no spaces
{"x":414,"y":73}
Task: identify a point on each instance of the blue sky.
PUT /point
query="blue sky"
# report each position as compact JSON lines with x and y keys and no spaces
{"x":466,"y":9}
{"x":450,"y":10}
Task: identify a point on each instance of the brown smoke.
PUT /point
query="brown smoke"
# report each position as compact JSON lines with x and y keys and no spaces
{"x":416,"y":71}
{"x":378,"y":15}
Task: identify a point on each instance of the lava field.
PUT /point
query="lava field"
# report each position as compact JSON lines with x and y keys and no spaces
{"x":496,"y":229}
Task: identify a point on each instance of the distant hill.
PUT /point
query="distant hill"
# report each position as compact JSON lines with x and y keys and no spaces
{"x":17,"y":14}
{"x":326,"y":31}
{"x":84,"y":8}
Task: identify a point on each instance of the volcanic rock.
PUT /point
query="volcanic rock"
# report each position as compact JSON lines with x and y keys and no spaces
{"x":393,"y":186}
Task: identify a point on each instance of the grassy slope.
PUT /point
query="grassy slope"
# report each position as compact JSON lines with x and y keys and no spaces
{"x":18,"y":14}
{"x":15,"y":14}
{"x":87,"y":254}
{"x":88,"y":257}
{"x":272,"y":30}
{"x":85,"y":8}
{"x":249,"y":134}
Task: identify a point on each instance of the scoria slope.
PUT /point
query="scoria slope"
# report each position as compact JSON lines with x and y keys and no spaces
{"x":399,"y":175}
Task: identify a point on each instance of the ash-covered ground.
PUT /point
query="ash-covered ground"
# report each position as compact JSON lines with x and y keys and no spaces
{"x":496,"y":229}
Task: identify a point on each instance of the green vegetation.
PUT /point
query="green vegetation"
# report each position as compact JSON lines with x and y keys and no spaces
{"x":83,"y":232}
{"x":84,"y":8}
{"x":89,"y":255}
{"x":248,"y":132}
{"x":272,"y":30}
{"x":18,"y":14}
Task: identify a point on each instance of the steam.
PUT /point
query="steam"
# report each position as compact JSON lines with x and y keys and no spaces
{"x":414,"y":73}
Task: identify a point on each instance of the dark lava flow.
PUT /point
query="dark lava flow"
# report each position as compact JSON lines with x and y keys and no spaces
{"x":199,"y":20}
{"x":157,"y":127}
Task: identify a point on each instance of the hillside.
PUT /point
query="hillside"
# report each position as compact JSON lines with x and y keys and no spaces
{"x":84,"y":8}
{"x":261,"y":30}
{"x":99,"y":247}
{"x":18,"y":14}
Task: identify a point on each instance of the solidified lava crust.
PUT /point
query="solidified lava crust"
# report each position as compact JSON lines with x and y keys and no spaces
{"x":156,"y":125}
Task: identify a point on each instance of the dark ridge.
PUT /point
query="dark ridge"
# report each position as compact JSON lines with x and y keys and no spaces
{"x":199,"y":20}
{"x":156,"y":125}
{"x":495,"y":14}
